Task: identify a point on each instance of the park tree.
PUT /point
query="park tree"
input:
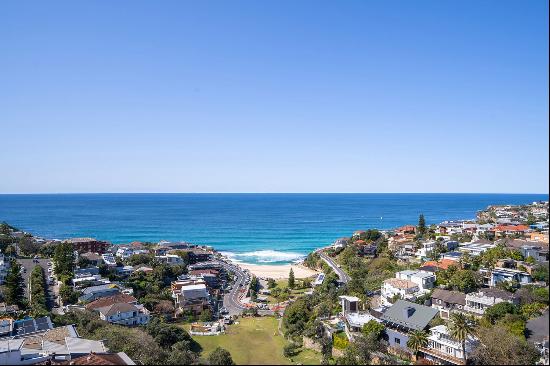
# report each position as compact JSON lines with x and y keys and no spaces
{"x":291,"y":279}
{"x":64,"y":261}
{"x":504,"y":349}
{"x":182,"y":354}
{"x":28,"y":246}
{"x":15,"y":286}
{"x":421,"y":228}
{"x":220,"y":356}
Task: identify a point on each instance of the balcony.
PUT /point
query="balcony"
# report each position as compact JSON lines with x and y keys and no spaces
{"x":443,"y":357}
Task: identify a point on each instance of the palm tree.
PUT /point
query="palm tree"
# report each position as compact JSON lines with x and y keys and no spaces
{"x":417,"y":340}
{"x":460,"y":327}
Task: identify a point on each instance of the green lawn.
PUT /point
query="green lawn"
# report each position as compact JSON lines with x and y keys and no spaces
{"x":255,"y":341}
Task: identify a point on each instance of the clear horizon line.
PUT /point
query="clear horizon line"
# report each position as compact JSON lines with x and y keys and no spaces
{"x":92,"y":193}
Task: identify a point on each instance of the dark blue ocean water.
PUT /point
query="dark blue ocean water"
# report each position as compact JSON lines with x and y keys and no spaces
{"x":257,"y":228}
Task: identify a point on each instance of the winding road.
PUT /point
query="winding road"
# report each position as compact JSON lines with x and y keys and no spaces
{"x":344,"y":277}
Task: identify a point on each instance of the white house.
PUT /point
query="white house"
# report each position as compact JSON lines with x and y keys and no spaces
{"x":109,"y":259}
{"x":478,"y":302}
{"x":497,"y":275}
{"x":4,"y":266}
{"x":426,"y":249}
{"x":443,"y":349}
{"x":170,"y":259}
{"x":124,"y":314}
{"x":124,"y":252}
{"x":394,"y":287}
{"x":475,"y":249}
{"x":425,"y":280}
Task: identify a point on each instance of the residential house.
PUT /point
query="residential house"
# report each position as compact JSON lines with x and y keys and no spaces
{"x":171,"y":259}
{"x":61,"y":345}
{"x":404,"y":317}
{"x":395,"y":288}
{"x":4,"y":266}
{"x":491,"y":277}
{"x":354,"y":319}
{"x":440,"y":265}
{"x":210,"y":276}
{"x":340,"y":243}
{"x":476,"y":248}
{"x":539,"y":236}
{"x":450,"y":228}
{"x":109,"y":259}
{"x":447,"y":302}
{"x":453,"y":256}
{"x":123,"y":313}
{"x":167,"y":246}
{"x":504,"y":230}
{"x":407,"y":229}
{"x":424,"y":280}
{"x":93,"y":258}
{"x":442,"y":349}
{"x":426,"y":249}
{"x":95,"y":292}
{"x":191,"y":298}
{"x":478,"y":302}
{"x":110,"y":300}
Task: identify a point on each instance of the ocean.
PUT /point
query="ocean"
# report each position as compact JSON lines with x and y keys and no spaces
{"x":253,"y":228}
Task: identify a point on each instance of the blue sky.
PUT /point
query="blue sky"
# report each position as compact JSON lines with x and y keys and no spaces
{"x":279,"y":96}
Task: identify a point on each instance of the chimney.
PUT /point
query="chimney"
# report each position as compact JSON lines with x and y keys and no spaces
{"x":408,"y":312}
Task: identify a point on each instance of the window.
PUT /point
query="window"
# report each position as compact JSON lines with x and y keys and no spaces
{"x":397,"y":340}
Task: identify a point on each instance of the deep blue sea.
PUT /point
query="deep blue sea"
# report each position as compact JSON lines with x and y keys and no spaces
{"x":254,"y":228}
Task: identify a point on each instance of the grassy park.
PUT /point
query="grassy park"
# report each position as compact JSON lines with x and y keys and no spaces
{"x":255,"y":341}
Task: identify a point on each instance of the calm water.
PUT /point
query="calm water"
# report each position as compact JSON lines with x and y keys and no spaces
{"x":256,"y":228}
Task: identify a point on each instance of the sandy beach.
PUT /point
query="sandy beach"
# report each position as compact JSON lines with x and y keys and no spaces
{"x":278,"y":271}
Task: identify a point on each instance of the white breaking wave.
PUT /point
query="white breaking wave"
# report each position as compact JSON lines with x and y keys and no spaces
{"x":264,"y":256}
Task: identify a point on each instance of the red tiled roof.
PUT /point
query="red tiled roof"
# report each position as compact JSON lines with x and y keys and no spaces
{"x":512,"y":228}
{"x":443,"y":264}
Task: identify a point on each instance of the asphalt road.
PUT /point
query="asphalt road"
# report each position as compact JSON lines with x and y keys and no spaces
{"x":29,"y":265}
{"x":344,"y":277}
{"x":240,"y":282}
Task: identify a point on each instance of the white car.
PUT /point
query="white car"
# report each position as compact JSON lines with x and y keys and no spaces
{"x":49,"y":270}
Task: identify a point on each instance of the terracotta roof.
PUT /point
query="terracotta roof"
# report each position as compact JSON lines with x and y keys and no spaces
{"x":406,"y":228}
{"x":442,"y":264}
{"x":108,"y":301}
{"x":398,"y":283}
{"x":512,"y":228}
